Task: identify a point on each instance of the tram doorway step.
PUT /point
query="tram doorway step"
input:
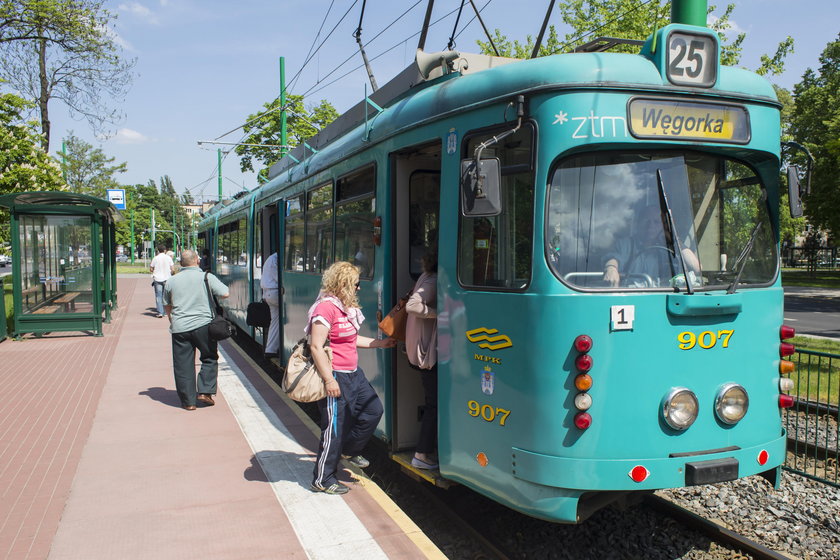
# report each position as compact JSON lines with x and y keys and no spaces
{"x":403,"y":459}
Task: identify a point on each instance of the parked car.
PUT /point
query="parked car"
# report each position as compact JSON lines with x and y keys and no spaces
{"x":5,"y":260}
{"x":122,"y":258}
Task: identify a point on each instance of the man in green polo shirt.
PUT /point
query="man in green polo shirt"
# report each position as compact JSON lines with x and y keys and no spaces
{"x":187,"y":305}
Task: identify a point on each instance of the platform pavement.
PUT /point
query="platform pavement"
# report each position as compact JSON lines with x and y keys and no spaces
{"x":100,"y":461}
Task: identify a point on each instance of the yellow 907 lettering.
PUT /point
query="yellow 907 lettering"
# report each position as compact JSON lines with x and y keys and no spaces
{"x":487,"y":412}
{"x":706,"y":339}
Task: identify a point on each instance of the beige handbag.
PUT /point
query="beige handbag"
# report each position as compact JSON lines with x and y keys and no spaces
{"x":301,"y":380}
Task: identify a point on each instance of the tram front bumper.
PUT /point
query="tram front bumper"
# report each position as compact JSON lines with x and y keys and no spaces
{"x":668,"y":472}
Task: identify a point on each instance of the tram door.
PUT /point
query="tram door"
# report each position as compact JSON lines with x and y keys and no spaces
{"x":417,"y":210}
{"x":266,"y":242}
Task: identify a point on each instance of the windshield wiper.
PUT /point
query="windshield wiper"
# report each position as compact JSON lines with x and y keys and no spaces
{"x":676,"y":246}
{"x":741,"y":261}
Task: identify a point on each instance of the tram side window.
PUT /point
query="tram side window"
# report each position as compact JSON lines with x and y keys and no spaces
{"x":319,"y":229}
{"x":294,"y":234}
{"x":354,"y":215}
{"x":495,"y":252}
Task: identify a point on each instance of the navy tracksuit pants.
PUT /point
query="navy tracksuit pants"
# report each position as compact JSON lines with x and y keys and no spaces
{"x":347,"y":423}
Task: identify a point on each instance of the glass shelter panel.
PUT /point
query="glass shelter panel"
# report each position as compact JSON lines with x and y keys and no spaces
{"x":659,"y":221}
{"x":56,"y":267}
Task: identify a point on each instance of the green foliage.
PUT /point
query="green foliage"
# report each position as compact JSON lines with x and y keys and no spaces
{"x":265,"y":128}
{"x":88,"y":170}
{"x":815,"y":122}
{"x":64,"y":49}
{"x":166,"y":203}
{"x":24,"y":166}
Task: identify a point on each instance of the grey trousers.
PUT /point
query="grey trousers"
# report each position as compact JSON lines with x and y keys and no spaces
{"x":184,"y":345}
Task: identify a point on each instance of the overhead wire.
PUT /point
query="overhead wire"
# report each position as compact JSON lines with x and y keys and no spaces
{"x":315,"y":88}
{"x":574,"y":40}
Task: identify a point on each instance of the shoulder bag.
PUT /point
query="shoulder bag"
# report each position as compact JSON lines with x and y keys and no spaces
{"x":300,"y":379}
{"x":220,"y":327}
{"x":393,"y":324}
{"x":258,"y":314}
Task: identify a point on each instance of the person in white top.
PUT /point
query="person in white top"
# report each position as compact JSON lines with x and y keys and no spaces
{"x":162,"y":268}
{"x":270,"y":284}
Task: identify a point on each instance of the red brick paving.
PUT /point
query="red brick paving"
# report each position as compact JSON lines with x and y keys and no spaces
{"x":146,"y":479}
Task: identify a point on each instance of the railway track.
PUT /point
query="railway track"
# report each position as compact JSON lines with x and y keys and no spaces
{"x":715,"y":531}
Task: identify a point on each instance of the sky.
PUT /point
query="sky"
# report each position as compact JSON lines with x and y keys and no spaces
{"x":203,"y":66}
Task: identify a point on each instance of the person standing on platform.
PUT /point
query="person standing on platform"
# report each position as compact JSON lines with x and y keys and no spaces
{"x":421,"y":350}
{"x":204,"y":264}
{"x":270,"y":284}
{"x":351,"y":410}
{"x":162,"y":268}
{"x":188,"y":307}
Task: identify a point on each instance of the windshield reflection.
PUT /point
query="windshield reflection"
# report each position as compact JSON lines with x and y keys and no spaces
{"x":612,"y":224}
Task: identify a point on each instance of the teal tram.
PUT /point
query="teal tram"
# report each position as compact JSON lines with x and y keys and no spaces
{"x":589,"y":350}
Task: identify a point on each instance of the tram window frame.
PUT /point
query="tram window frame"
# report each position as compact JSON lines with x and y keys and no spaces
{"x":319,"y":247}
{"x":355,"y":188}
{"x":712,"y":231}
{"x":295,"y":223}
{"x":511,"y":174}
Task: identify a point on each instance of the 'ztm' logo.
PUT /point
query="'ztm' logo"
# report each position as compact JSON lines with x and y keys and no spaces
{"x":477,"y":335}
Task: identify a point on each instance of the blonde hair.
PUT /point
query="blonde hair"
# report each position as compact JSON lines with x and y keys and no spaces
{"x":340,"y":280}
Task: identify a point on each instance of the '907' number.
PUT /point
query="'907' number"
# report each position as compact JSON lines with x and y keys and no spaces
{"x":706,"y":339}
{"x":487,"y":412}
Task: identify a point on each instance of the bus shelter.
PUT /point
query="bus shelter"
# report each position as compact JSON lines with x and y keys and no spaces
{"x":63,"y":261}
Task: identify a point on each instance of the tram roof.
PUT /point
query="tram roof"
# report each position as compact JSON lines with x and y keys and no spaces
{"x":413,"y":102}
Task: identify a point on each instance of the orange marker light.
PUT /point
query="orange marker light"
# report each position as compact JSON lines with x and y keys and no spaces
{"x":583,"y":382}
{"x":482,"y":460}
{"x":786,"y":366}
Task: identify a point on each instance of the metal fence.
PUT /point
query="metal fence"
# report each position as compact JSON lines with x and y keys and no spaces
{"x":824,"y":258}
{"x":812,"y":423}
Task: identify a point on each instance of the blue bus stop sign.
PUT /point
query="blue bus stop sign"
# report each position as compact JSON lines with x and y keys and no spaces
{"x":117,"y":198}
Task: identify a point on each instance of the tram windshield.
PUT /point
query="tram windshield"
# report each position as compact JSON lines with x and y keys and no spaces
{"x":654,"y":221}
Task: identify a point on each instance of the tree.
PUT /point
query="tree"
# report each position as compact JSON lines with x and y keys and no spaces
{"x":264,"y":128}
{"x":24,"y":166}
{"x":625,"y":19}
{"x":88,"y":170}
{"x":64,"y":49}
{"x":816,"y":124}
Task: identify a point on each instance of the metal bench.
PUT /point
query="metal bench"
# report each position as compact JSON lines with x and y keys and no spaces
{"x":68,"y":300}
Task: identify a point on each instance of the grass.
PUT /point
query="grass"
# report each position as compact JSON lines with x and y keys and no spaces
{"x":817,"y":279}
{"x":8,"y":301}
{"x":136,"y":268}
{"x":817,"y":378}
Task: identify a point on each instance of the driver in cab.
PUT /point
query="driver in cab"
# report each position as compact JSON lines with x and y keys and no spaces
{"x":646,"y":258}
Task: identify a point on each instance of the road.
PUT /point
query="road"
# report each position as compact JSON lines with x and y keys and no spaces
{"x":813,"y":311}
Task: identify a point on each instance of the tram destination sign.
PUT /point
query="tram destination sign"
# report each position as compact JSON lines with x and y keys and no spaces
{"x":673,"y":119}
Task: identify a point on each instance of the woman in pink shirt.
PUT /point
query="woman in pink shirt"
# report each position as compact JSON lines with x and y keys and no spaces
{"x":352,"y":409}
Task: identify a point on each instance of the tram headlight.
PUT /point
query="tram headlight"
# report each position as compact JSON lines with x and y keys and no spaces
{"x":680,"y":408}
{"x":731,"y":403}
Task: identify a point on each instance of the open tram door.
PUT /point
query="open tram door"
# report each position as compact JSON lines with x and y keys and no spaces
{"x":267,"y":241}
{"x":416,"y":211}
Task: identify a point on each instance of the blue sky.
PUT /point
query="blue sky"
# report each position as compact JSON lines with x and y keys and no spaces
{"x":204,"y":65}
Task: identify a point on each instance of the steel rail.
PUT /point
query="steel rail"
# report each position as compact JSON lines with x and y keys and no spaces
{"x":715,"y":531}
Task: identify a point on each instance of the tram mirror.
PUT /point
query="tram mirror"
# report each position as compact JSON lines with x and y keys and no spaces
{"x":481,"y":192}
{"x":794,"y":192}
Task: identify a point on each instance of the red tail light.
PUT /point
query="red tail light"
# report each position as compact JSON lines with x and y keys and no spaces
{"x":786,"y":332}
{"x":786,"y":349}
{"x":583,"y":420}
{"x":584,"y":362}
{"x":785,"y":401}
{"x":583,"y":343}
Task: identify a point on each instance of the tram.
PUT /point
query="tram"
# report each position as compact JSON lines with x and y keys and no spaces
{"x":563,"y":384}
